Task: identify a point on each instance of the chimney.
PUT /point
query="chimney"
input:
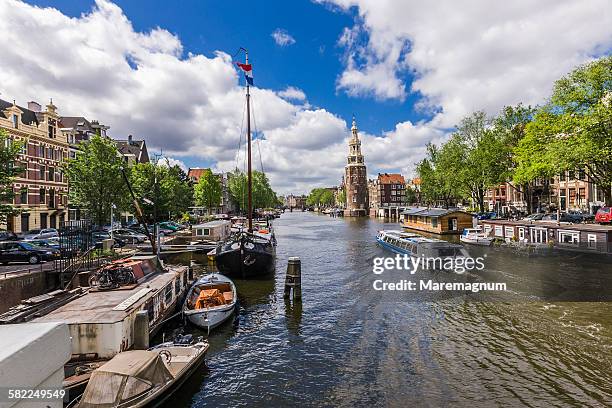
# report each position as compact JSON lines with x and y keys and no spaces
{"x":34,"y":106}
{"x":129,"y":139}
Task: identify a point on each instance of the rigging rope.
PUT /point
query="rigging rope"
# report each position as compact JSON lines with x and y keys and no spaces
{"x":256,"y":132}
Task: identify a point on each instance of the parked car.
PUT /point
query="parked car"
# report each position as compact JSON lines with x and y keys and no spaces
{"x":7,"y":236}
{"x":580,"y":216}
{"x":604,"y":215}
{"x":564,"y":218}
{"x":46,"y":243}
{"x":169,"y":226}
{"x":534,"y":217}
{"x":487,"y":215}
{"x":41,"y":234}
{"x":129,"y":236}
{"x":98,"y":238}
{"x":20,"y":251}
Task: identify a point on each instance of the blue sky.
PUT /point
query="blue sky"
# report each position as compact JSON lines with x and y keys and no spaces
{"x":408,"y":70}
{"x":312,"y":64}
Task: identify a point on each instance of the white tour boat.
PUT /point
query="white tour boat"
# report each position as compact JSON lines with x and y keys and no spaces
{"x":413,"y":244}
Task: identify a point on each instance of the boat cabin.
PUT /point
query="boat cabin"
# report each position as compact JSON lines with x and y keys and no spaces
{"x":437,"y":220}
{"x":217,"y":230}
{"x":581,"y":237}
{"x":101,"y":322}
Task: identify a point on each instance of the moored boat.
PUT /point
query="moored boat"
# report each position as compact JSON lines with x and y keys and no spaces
{"x":475,"y":236}
{"x":417,"y":245}
{"x":142,"y":378}
{"x":210,"y":301}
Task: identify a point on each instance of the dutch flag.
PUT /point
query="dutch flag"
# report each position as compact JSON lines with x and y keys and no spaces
{"x":248,"y":72}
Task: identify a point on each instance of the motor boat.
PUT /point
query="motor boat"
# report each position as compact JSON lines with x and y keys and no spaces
{"x":210,"y":301}
{"x":416,"y":245}
{"x":142,"y":378}
{"x":475,"y":236}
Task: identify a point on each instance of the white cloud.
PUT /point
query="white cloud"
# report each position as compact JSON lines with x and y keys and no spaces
{"x":144,"y":83}
{"x":171,"y":162}
{"x":292,"y":93}
{"x":282,"y":37}
{"x":469,"y":55}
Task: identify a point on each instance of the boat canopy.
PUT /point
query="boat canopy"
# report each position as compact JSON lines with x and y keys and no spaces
{"x":125,"y":377}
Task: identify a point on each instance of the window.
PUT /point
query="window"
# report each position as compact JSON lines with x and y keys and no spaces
{"x":581,"y":174}
{"x":15,"y":120}
{"x":52,"y":129}
{"x":499,"y":231}
{"x":569,"y":237}
{"x":177,"y":285}
{"x":52,"y":198}
{"x":41,"y":172}
{"x":538,"y":235}
{"x":521,"y":233}
{"x":509,"y":231}
{"x":562,"y":177}
{"x":168,"y":294}
{"x":41,"y":151}
{"x":487,"y":229}
{"x":434,"y":222}
{"x":23,"y":199}
{"x":592,"y":240}
{"x":42,"y":195}
{"x":51,"y":174}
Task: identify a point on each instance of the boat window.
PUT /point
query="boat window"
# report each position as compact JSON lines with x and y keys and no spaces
{"x":102,"y":389}
{"x":134,"y":387}
{"x":177,"y":285}
{"x":168,"y":294}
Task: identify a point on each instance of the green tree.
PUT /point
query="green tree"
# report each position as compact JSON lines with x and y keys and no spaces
{"x":410,"y":194}
{"x":95,"y":179}
{"x":9,"y":152}
{"x":437,"y":174}
{"x":208,"y":190}
{"x":342,"y":198}
{"x":263,"y":195}
{"x":163,"y":192}
{"x":574,"y":130}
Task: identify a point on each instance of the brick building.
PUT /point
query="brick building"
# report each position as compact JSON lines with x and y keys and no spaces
{"x":41,"y":191}
{"x":355,"y":178}
{"x":387,"y":194}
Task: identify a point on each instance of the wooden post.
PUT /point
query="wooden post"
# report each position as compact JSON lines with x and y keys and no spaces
{"x":293,"y":279}
{"x":141,"y":330}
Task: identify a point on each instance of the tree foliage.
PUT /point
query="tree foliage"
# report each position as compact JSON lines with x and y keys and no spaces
{"x":574,"y":130}
{"x":320,"y":197}
{"x":95,"y":179}
{"x":163,"y":192}
{"x":263,"y":195}
{"x":9,"y":153}
{"x":208,"y":191}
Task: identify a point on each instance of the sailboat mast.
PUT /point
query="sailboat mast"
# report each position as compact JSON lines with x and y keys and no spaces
{"x":249,"y":178}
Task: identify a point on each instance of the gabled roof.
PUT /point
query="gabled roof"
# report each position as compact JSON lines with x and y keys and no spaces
{"x":393,"y":178}
{"x":196,"y":172}
{"x":75,"y":122}
{"x":27,"y":116}
{"x":136,"y":148}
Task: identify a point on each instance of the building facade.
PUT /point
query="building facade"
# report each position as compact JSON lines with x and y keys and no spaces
{"x":295,"y":201}
{"x":387,"y":194}
{"x":41,"y":191}
{"x":226,"y":206}
{"x":355,"y":178}
{"x":133,"y":151}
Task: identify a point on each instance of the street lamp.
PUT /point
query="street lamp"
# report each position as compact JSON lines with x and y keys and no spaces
{"x":113,"y":207}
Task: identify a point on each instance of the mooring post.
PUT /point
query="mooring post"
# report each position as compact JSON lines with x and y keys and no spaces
{"x":293,"y":279}
{"x":141,"y":330}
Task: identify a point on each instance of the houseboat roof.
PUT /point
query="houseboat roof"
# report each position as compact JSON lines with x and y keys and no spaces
{"x":108,"y":306}
{"x":212,"y":224}
{"x":433,"y":212}
{"x":551,"y":224}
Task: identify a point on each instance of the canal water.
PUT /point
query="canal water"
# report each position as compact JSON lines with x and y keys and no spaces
{"x":349,"y":345}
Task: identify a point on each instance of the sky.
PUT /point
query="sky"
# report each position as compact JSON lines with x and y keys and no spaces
{"x":408,"y":71}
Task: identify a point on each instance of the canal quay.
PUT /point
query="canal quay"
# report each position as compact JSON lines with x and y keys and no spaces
{"x":350,"y":345}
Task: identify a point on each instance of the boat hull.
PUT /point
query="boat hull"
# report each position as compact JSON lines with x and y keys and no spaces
{"x":476,"y":241}
{"x":209,"y":319}
{"x":243,"y":262}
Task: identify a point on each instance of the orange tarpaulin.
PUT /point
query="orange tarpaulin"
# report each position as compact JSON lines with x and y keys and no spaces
{"x":209,"y":298}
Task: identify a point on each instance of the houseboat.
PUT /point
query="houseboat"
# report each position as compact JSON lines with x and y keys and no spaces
{"x":437,"y":220}
{"x":101,"y":322}
{"x":579,"y":237}
{"x":213,"y":231}
{"x":417,"y":245}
